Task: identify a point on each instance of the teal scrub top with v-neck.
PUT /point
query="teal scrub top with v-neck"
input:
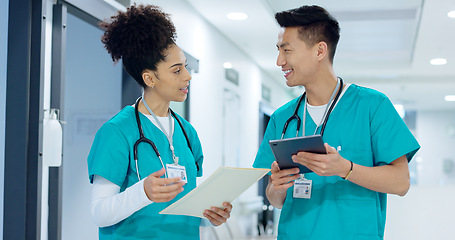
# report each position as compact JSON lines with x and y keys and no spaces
{"x":368,"y":130}
{"x":111,"y":157}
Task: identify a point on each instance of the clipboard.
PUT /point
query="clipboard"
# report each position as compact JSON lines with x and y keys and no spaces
{"x":224,"y":185}
{"x":283,"y":149}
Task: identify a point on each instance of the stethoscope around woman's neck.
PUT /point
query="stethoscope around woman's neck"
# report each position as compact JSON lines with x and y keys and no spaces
{"x":142,"y":138}
{"x":326,"y":117}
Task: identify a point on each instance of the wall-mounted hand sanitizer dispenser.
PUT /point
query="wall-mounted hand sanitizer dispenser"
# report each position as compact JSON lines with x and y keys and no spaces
{"x":52,"y":138}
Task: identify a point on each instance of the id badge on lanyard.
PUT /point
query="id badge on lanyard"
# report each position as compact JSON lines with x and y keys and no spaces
{"x":175,"y":170}
{"x":172,"y":170}
{"x":302,"y":187}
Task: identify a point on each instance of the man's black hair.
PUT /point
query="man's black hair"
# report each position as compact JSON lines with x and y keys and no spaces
{"x":315,"y":25}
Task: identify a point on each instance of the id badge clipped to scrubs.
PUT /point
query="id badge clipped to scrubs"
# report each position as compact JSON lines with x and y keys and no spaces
{"x":175,"y":170}
{"x":302,"y":187}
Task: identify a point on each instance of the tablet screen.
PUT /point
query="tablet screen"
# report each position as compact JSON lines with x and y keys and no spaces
{"x":283,"y":149}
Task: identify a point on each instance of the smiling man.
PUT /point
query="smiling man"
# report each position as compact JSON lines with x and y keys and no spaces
{"x":368,"y":145}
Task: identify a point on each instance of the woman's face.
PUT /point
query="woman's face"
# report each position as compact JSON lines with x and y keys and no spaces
{"x":171,"y":78}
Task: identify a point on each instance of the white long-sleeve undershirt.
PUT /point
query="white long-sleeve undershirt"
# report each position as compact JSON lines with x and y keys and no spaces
{"x":110,"y":206}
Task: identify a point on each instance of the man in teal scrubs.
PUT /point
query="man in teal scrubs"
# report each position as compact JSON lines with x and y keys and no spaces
{"x":368,"y":145}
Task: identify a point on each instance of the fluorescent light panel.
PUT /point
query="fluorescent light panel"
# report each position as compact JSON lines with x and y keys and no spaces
{"x":450,"y":98}
{"x":438,"y":61}
{"x":227,"y":65}
{"x":237,"y":16}
{"x":451,"y":14}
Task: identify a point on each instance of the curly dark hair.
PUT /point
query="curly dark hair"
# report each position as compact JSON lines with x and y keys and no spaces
{"x":315,"y":24}
{"x":139,"y":37}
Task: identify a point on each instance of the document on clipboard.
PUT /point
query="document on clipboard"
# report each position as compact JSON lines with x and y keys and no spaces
{"x":224,"y":185}
{"x":283,"y":149}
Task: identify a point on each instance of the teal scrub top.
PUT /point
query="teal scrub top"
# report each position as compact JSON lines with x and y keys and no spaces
{"x":370,"y":132}
{"x":111,"y":157}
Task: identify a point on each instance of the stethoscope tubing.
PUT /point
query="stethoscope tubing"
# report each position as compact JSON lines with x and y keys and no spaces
{"x":142,"y":138}
{"x":299,"y":121}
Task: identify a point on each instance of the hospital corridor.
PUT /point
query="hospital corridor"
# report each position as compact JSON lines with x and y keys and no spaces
{"x":75,"y":129}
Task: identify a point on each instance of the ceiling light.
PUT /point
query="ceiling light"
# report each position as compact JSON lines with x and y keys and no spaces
{"x":451,"y":14}
{"x":450,"y":98}
{"x":237,"y":16}
{"x":438,"y":61}
{"x":227,"y":65}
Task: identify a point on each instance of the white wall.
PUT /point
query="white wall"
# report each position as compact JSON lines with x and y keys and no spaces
{"x":3,"y":51}
{"x":426,"y":212}
{"x":436,"y":132}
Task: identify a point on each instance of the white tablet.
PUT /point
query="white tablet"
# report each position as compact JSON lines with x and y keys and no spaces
{"x":283,"y":149}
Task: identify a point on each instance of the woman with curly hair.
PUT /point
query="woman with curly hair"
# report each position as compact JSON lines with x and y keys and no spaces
{"x":133,"y":180}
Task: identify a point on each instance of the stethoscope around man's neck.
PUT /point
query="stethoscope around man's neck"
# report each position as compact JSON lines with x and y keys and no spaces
{"x":326,"y":117}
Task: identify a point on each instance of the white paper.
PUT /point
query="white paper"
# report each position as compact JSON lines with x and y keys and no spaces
{"x":224,"y":185}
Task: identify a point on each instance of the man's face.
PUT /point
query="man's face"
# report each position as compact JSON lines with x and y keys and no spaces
{"x":297,"y":60}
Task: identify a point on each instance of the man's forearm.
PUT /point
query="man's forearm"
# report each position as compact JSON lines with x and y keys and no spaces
{"x":392,"y":178}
